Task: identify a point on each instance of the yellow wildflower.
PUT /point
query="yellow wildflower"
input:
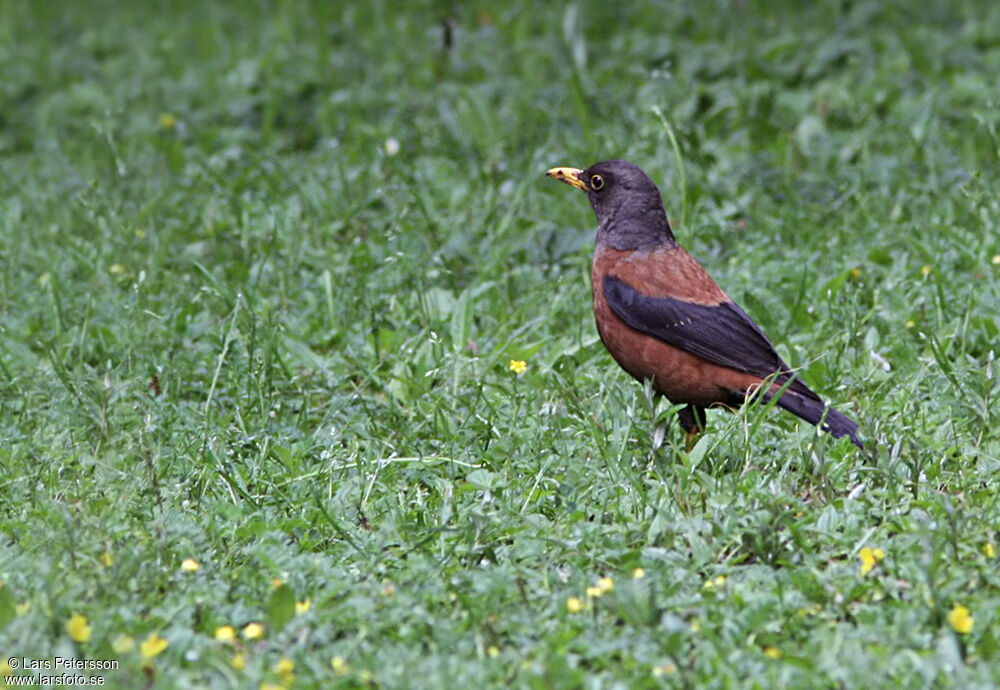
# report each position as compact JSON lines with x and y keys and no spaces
{"x":302,"y":606}
{"x":123,"y":644}
{"x":594,"y":592}
{"x":574,"y":605}
{"x":285,"y":666}
{"x":116,"y":269}
{"x":718,"y":581}
{"x":106,"y":560}
{"x":909,"y":323}
{"x":189,"y":565}
{"x":854,"y":274}
{"x":996,"y":260}
{"x":225,"y":633}
{"x":869,"y":557}
{"x":518,"y":366}
{"x":493,"y":652}
{"x":78,"y":628}
{"x":638,"y":574}
{"x":253,"y":631}
{"x":340,"y":667}
{"x":924,"y":270}
{"x":152,"y":646}
{"x":277,"y":582}
{"x":22,"y":608}
{"x":606,"y":584}
{"x":238,"y":661}
{"x":961,"y":620}
{"x":167,"y":121}
{"x":772,"y":652}
{"x":989,"y":551}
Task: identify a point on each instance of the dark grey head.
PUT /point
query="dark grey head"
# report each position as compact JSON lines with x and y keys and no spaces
{"x":627,"y":204}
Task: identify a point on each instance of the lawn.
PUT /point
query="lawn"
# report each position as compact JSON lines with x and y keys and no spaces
{"x":264,"y":268}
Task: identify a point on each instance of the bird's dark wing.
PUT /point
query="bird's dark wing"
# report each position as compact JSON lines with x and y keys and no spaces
{"x":722,"y":334}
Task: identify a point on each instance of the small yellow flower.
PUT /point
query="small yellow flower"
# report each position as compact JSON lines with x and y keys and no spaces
{"x":189,"y":565}
{"x":285,"y":666}
{"x":277,"y":582}
{"x":116,"y":269}
{"x":303,"y":606}
{"x":167,"y":121}
{"x":106,"y":559}
{"x":869,"y":557}
{"x":123,"y":644}
{"x":22,"y":608}
{"x":238,"y":661}
{"x":924,"y":270}
{"x":140,"y":234}
{"x":695,"y":625}
{"x":638,"y":574}
{"x":909,"y":323}
{"x":715,"y":583}
{"x":989,"y":551}
{"x":603,"y":586}
{"x":664,"y":670}
{"x":772,"y":652}
{"x":574,"y":605}
{"x":340,"y":667}
{"x":493,"y":652}
{"x":78,"y":628}
{"x":961,"y":620}
{"x":854,"y":274}
{"x":225,"y":633}
{"x":253,"y":631}
{"x":518,"y":366}
{"x":995,"y":260}
{"x":152,"y":646}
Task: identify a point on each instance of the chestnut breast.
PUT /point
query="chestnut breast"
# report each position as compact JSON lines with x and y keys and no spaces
{"x":679,"y":375}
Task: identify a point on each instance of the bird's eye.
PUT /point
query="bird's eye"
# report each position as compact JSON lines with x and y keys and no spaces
{"x":596,"y":183}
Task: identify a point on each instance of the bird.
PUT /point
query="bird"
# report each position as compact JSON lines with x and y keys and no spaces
{"x":663,"y":318}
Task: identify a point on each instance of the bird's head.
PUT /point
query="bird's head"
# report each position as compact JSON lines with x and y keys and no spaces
{"x":626,"y":202}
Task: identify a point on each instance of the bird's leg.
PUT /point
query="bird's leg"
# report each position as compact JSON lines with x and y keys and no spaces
{"x":693,"y":422}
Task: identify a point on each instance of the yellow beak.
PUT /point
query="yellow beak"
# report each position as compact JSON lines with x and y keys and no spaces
{"x":571,"y":176}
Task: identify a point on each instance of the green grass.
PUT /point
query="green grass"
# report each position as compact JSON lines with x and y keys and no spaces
{"x":234,"y":328}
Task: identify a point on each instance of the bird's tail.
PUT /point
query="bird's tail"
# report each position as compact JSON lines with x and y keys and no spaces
{"x":812,"y":409}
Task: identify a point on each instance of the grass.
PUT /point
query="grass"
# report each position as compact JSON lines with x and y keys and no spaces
{"x":237,"y":326}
